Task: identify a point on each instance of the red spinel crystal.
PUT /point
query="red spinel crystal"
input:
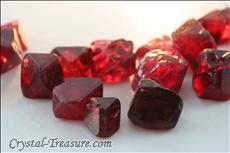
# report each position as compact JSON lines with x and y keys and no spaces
{"x":40,"y":73}
{"x":218,"y":24}
{"x":103,"y":116}
{"x":211,"y":75}
{"x":113,"y":61}
{"x":169,"y":70}
{"x":192,"y":38}
{"x":163,"y":43}
{"x":71,"y":97}
{"x":154,"y":106}
{"x":74,"y":61}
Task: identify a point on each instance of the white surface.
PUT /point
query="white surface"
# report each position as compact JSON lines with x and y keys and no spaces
{"x":203,"y":125}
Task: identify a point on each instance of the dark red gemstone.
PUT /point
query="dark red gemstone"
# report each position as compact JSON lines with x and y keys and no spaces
{"x":40,"y":73}
{"x":163,"y":43}
{"x":113,"y":61}
{"x":192,"y":38}
{"x":75,"y":61}
{"x":211,"y":75}
{"x":162,"y":67}
{"x":154,"y":106}
{"x":103,"y":116}
{"x":70,"y":97}
{"x":218,"y":24}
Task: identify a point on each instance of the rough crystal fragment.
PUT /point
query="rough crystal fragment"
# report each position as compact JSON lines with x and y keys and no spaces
{"x":211,"y":75}
{"x":75,"y":61}
{"x":40,"y":73}
{"x":167,"y":69}
{"x":103,"y":116}
{"x":192,"y":38}
{"x":113,"y":61}
{"x":218,"y":24}
{"x":154,"y":106}
{"x":71,"y":97}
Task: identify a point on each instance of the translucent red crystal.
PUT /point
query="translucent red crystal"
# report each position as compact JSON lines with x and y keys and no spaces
{"x":192,"y":38}
{"x":162,"y":67}
{"x":71,"y":97}
{"x":218,"y":24}
{"x":113,"y":61}
{"x":154,"y":106}
{"x":40,"y":73}
{"x":103,"y":116}
{"x":211,"y":75}
{"x":75,"y":61}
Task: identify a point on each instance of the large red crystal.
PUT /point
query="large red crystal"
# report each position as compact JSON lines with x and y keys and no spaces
{"x":163,"y":43}
{"x":113,"y":61}
{"x":154,"y":106}
{"x":218,"y":24}
{"x":192,"y":38}
{"x":211,"y":75}
{"x":74,"y":61}
{"x":103,"y":116}
{"x":71,"y":97}
{"x":167,"y":69}
{"x":40,"y":73}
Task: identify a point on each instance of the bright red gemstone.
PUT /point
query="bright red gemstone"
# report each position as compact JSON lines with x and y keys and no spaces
{"x":163,"y":43}
{"x":40,"y":73}
{"x":113,"y":61}
{"x":211,"y":75}
{"x":162,"y":67}
{"x":154,"y":106}
{"x":74,"y":61}
{"x":218,"y":24}
{"x":71,"y":97}
{"x":103,"y":116}
{"x":192,"y":38}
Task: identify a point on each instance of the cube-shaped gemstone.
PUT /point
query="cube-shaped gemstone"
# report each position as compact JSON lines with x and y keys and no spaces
{"x":113,"y":61}
{"x":218,"y":24}
{"x":75,"y":61}
{"x":192,"y":38}
{"x":40,"y":73}
{"x":211,"y":75}
{"x":167,"y":69}
{"x":155,"y":107}
{"x":103,"y":116}
{"x":71,"y":97}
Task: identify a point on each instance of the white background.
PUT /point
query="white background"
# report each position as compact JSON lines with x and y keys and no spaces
{"x":203,"y":125}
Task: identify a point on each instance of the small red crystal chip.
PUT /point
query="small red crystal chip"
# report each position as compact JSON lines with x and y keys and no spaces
{"x":40,"y":73}
{"x":155,"y":107}
{"x":163,"y":43}
{"x":74,"y":61}
{"x":211,"y":75}
{"x":192,"y":38}
{"x":71,"y":97}
{"x":218,"y":24}
{"x":113,"y":61}
{"x":103,"y":116}
{"x":162,"y":67}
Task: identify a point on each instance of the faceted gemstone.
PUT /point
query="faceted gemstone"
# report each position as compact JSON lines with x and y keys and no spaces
{"x":113,"y":61}
{"x":162,"y":67}
{"x":71,"y":97}
{"x":74,"y":61}
{"x":40,"y":73}
{"x":211,"y":75}
{"x":154,"y":106}
{"x":192,"y":38}
{"x":103,"y":116}
{"x":163,"y":43}
{"x":218,"y":24}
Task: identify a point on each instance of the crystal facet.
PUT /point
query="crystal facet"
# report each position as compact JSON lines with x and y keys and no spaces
{"x":71,"y":97}
{"x":103,"y":116}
